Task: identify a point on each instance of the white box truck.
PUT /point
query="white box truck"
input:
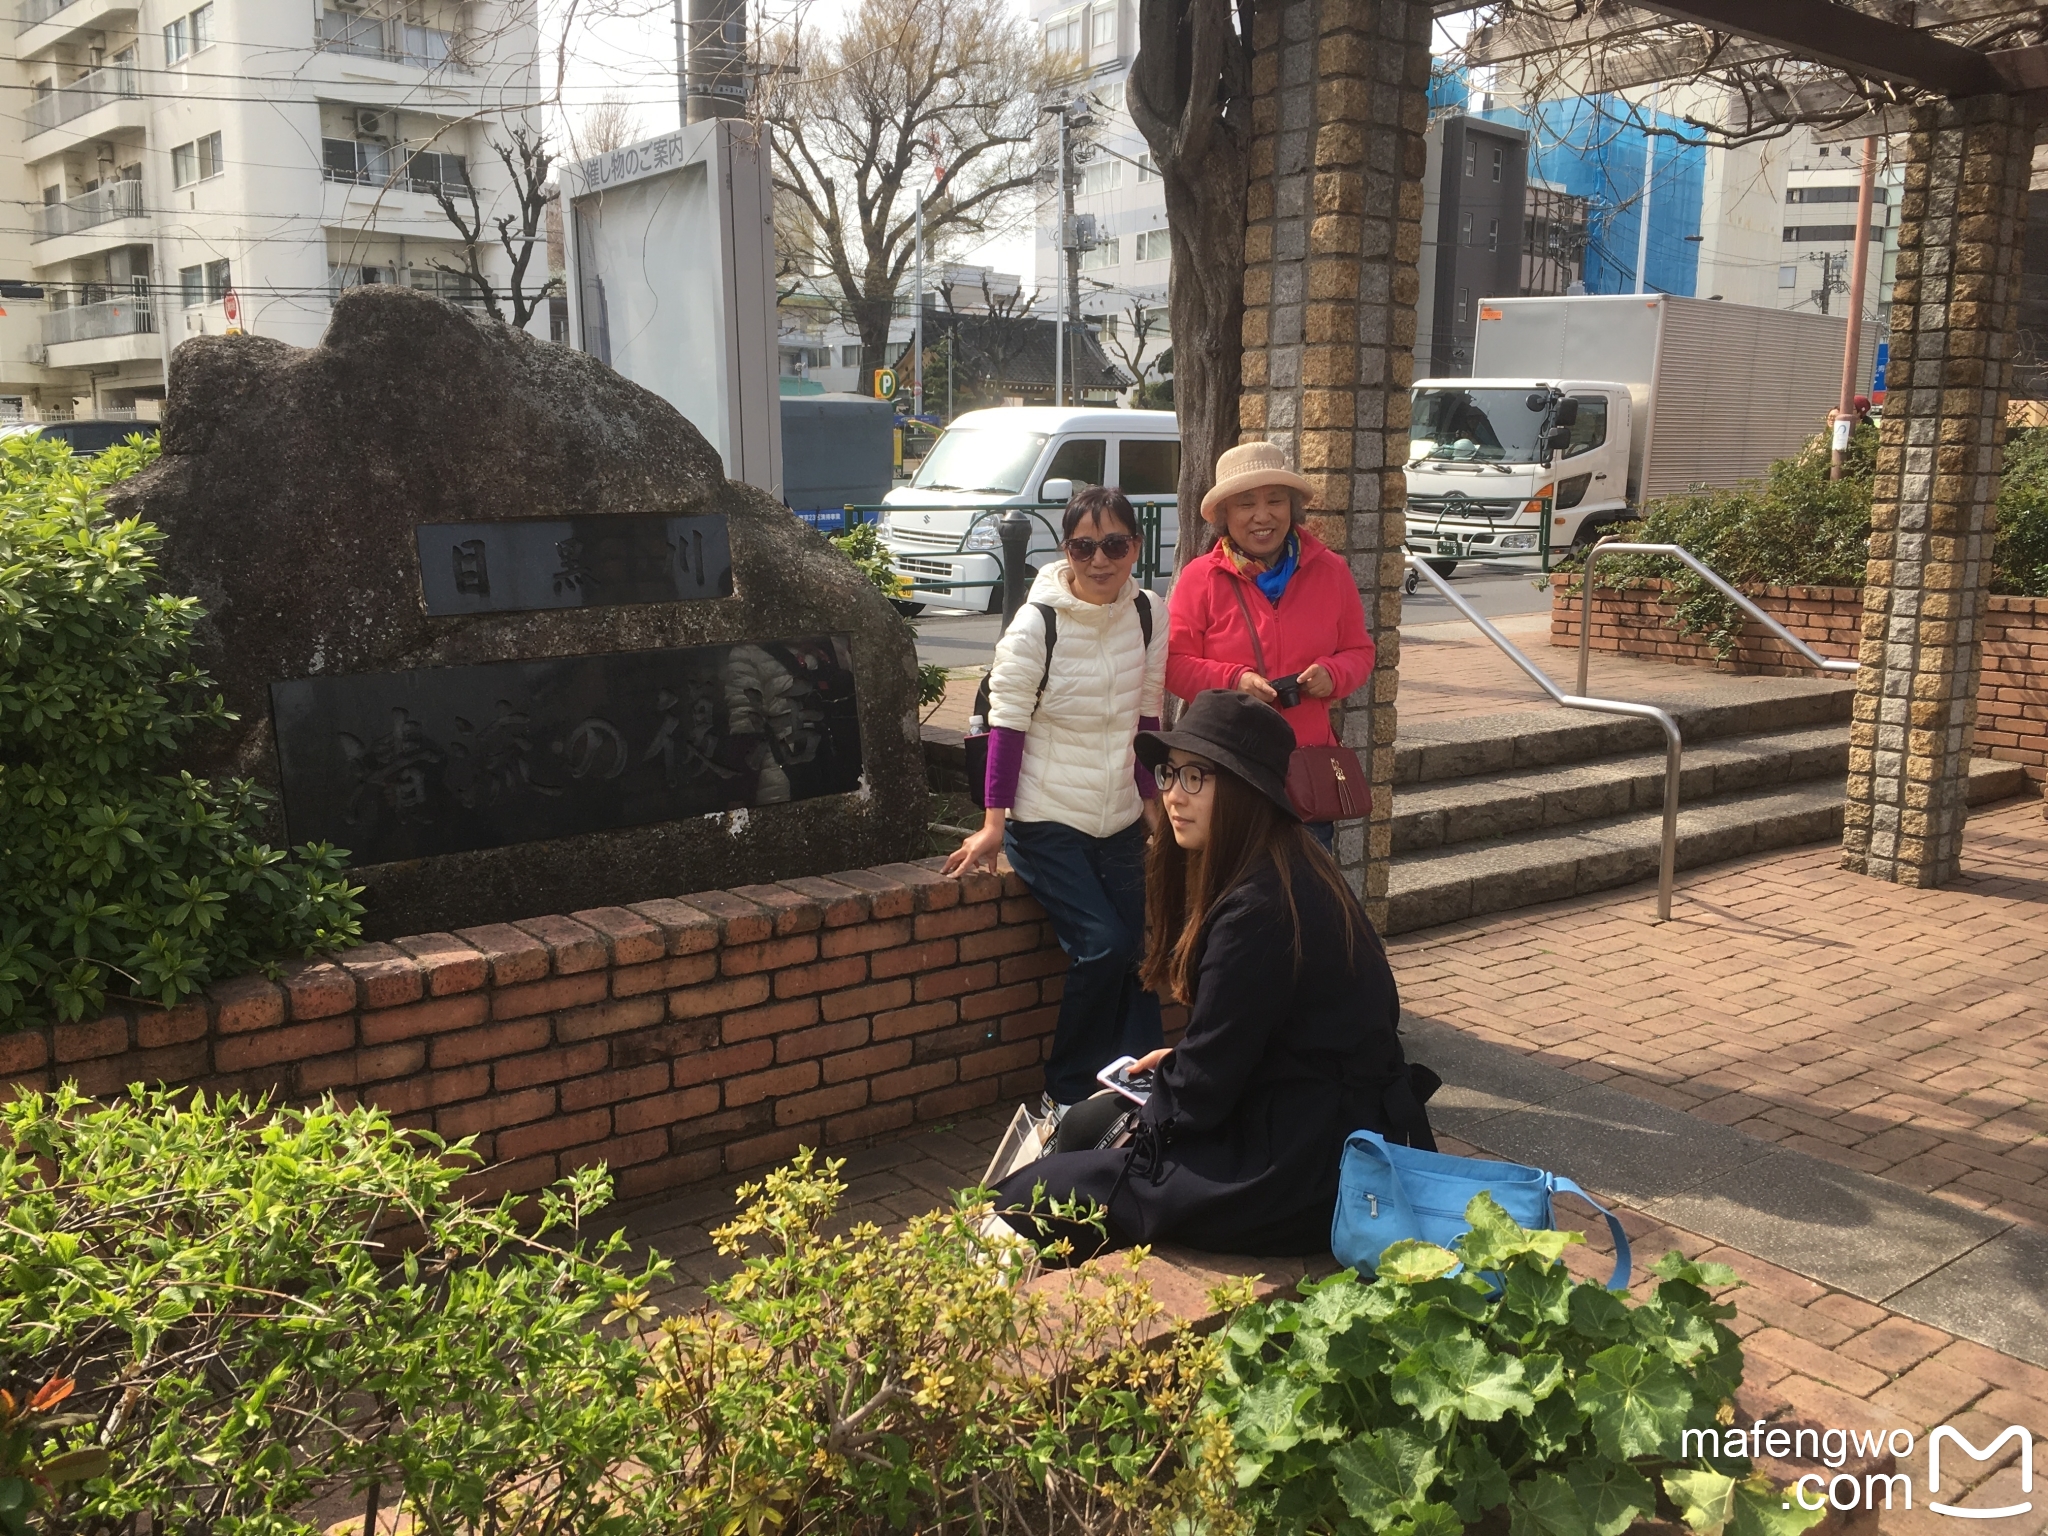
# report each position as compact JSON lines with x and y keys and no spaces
{"x":1600,"y":403}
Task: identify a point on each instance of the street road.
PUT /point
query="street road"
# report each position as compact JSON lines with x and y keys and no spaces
{"x":1497,"y":591}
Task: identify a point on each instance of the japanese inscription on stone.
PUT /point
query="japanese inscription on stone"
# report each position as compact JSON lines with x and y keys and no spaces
{"x":522,"y":564}
{"x":406,"y":765}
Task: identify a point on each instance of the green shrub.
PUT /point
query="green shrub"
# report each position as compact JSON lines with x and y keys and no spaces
{"x":117,"y":877}
{"x":863,"y":546}
{"x":859,"y":1383}
{"x":2021,"y":556}
{"x":1795,"y":527}
{"x":1419,"y":1403}
{"x":216,"y":1277}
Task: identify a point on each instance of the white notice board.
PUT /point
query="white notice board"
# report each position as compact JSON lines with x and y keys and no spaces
{"x":671,"y":252}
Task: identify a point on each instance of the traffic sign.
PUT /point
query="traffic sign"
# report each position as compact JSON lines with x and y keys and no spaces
{"x":885,"y":383}
{"x":231,"y":307}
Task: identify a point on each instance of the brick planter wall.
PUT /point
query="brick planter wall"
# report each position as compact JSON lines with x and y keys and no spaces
{"x":2012,"y":693}
{"x":672,"y":1040}
{"x":1636,"y":623}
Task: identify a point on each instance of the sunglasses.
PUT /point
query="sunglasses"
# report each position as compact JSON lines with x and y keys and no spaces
{"x":1116,"y":546}
{"x":1190,"y":778}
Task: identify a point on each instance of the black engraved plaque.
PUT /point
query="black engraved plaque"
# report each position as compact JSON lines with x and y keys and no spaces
{"x":523,"y":564}
{"x":405,"y":765}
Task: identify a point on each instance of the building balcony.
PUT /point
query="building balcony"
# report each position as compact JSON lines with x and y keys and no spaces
{"x":41,"y":25}
{"x":130,"y":315}
{"x":102,"y":205}
{"x":392,"y":40}
{"x":104,"y":87}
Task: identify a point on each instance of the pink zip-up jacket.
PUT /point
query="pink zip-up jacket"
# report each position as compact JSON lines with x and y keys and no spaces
{"x":1319,"y":619}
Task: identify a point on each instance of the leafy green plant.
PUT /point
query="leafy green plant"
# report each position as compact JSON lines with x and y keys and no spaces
{"x":1795,"y":527}
{"x":1428,"y":1400}
{"x":2020,"y":557}
{"x":28,"y":1476}
{"x":260,"y":1306}
{"x":858,"y":1382}
{"x":117,"y":876}
{"x":863,"y":546}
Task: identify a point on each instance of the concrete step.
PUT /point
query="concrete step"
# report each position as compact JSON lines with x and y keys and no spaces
{"x":1461,"y":880}
{"x":1712,"y":707}
{"x":1437,"y":815}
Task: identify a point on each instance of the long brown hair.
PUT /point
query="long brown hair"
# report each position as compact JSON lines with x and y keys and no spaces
{"x":1182,"y":889}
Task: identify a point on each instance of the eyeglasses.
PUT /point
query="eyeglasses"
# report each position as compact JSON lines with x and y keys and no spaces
{"x":1189,"y":778}
{"x":1116,"y":546}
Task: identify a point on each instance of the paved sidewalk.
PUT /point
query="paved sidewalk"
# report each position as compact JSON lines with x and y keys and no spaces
{"x":1895,"y":1031}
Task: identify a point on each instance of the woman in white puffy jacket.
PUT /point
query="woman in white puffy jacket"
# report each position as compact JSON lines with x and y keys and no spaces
{"x":1067,"y":801}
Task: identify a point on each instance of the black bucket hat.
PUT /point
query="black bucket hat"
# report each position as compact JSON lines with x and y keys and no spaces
{"x":1236,"y":732}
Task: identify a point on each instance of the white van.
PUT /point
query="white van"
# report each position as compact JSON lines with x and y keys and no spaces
{"x":942,"y":526}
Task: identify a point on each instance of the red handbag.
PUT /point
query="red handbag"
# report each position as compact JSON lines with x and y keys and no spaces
{"x":1325,"y":783}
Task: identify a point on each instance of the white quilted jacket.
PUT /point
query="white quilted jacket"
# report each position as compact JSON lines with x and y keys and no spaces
{"x":1077,"y":749}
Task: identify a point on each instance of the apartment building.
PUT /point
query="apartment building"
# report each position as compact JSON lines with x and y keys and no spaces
{"x":1123,"y":279}
{"x":1819,"y":224}
{"x":160,"y":156}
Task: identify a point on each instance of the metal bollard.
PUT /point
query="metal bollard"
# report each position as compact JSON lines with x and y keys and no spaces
{"x":1014,"y":529}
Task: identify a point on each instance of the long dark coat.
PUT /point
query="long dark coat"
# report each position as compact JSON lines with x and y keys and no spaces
{"x":1238,"y":1148}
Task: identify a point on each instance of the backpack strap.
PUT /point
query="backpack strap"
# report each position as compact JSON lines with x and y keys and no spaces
{"x":1052,"y":635}
{"x":1144,"y":603}
{"x":1623,"y":1260}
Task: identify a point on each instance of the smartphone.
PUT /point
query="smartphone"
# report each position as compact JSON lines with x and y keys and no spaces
{"x":1135,"y":1086}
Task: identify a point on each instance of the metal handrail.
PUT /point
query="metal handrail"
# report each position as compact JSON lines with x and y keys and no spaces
{"x":1699,"y":567}
{"x":1674,"y":742}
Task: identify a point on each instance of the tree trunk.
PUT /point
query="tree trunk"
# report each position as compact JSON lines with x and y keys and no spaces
{"x":1189,"y":93}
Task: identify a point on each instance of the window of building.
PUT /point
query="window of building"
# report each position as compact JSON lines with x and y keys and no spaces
{"x":1471,"y":157}
{"x":1493,"y":234}
{"x":431,"y":172}
{"x":1823,"y":151}
{"x":188,"y":34}
{"x":1464,"y":305}
{"x":192,"y":286}
{"x":196,"y":161}
{"x":219,"y":279}
{"x":849,"y":355}
{"x":1154,"y":245}
{"x":1102,"y":27}
{"x":453,"y":286}
{"x":1108,"y":253}
{"x":1827,"y":234}
{"x":1101,"y":176}
{"x":1111,"y":97}
{"x":1834,"y":195}
{"x":1063,"y":32}
{"x":1499,"y":161}
{"x":1788,"y":277}
{"x":1148,"y":168}
{"x":1464,"y":229}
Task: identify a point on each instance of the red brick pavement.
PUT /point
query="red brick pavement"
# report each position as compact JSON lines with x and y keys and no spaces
{"x":1902,"y":1032}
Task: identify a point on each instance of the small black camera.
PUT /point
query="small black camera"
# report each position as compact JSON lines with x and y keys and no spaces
{"x":1288,"y":689}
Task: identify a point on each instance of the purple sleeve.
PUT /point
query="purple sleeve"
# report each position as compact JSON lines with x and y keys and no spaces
{"x":1005,"y":759}
{"x":1148,"y":788}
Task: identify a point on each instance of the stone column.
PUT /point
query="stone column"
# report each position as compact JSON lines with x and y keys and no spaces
{"x":1954,"y":313}
{"x":1334,"y":227}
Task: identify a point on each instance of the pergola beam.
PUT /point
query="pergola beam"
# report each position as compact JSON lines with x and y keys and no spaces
{"x":1848,"y":40}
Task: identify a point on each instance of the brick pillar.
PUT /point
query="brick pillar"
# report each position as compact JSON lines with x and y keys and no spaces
{"x":1954,"y":313}
{"x":1334,"y":226}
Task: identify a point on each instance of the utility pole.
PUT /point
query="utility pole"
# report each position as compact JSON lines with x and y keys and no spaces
{"x":917,"y":321}
{"x":1062,"y":260}
{"x":1649,"y":169}
{"x":1830,"y":279}
{"x":1859,"y":268}
{"x":716,"y":82}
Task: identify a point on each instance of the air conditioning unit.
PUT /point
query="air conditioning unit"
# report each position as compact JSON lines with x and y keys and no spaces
{"x":372,"y":125}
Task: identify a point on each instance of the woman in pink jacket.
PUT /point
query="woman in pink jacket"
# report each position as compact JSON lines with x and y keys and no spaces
{"x":1270,"y":610}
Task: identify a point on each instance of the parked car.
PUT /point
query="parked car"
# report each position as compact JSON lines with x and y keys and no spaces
{"x":940,"y":530}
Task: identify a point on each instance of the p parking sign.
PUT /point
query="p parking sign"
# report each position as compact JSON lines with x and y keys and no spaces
{"x":885,"y":383}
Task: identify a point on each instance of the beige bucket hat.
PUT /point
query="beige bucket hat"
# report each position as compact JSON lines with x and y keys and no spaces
{"x":1248,"y":466}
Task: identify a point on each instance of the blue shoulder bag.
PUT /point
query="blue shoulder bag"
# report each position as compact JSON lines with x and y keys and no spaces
{"x":1387,"y":1192}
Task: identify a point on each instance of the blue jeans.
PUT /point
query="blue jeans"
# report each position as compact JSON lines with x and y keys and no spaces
{"x":1093,"y":889}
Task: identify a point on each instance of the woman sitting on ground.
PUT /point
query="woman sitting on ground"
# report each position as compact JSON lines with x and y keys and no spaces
{"x":1291,"y":1042}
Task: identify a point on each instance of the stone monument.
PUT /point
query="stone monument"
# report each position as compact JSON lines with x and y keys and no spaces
{"x":493,"y":619}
